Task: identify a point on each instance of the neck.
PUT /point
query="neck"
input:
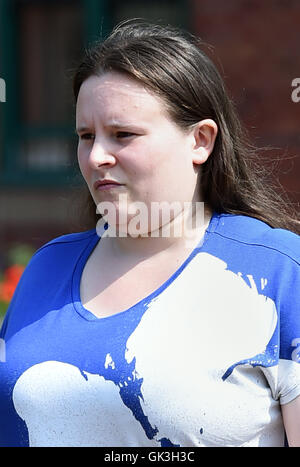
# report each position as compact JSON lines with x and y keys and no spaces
{"x":183,"y":231}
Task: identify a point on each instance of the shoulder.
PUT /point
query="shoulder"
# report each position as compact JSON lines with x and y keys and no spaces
{"x":70,"y":239}
{"x":256,"y":234}
{"x":66,"y":243}
{"x":47,"y":279}
{"x":58,"y":256}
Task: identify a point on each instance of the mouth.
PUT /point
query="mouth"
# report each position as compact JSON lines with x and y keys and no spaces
{"x":101,"y":185}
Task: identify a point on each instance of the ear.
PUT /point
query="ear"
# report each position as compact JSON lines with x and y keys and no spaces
{"x":204,"y":135}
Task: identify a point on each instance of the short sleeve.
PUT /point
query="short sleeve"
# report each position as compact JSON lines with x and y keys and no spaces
{"x":283,"y":371}
{"x":288,"y":380}
{"x":289,"y":352}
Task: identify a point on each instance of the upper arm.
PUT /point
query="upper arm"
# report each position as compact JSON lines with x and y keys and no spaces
{"x":291,"y":420}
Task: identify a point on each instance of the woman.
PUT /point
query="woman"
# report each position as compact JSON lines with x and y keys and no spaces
{"x":180,"y":326}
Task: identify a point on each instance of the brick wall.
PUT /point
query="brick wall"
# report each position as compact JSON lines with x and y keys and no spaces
{"x":257,"y":44}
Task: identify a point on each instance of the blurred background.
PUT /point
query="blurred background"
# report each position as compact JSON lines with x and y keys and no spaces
{"x":254,"y":43}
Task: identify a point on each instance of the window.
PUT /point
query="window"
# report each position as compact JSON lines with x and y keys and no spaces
{"x":40,"y":43}
{"x":43,"y":40}
{"x":50,"y":35}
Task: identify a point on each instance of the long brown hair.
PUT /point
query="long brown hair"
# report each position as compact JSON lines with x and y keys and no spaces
{"x":172,"y":64}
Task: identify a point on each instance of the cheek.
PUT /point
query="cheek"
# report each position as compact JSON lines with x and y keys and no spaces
{"x":82,"y":160}
{"x":142,"y":162}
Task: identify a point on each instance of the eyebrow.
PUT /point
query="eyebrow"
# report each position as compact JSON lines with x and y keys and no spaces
{"x":82,"y":129}
{"x":114,"y":124}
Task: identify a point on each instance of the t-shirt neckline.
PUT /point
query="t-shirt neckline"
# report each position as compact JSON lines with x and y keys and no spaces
{"x":78,"y":270}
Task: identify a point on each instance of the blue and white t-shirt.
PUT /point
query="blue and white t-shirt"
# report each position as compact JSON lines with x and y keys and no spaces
{"x":204,"y":360}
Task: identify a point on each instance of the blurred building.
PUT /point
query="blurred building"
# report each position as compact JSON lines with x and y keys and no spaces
{"x":255,"y":45}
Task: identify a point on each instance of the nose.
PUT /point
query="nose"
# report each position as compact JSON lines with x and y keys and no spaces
{"x":101,"y":154}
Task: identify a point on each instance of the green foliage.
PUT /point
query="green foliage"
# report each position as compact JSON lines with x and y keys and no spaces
{"x":17,"y":258}
{"x":20,"y":254}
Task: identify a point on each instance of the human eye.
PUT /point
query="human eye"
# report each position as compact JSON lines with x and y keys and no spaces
{"x":86,"y":136}
{"x":124,"y":134}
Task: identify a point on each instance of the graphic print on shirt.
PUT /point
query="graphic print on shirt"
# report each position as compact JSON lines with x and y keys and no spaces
{"x":172,"y":367}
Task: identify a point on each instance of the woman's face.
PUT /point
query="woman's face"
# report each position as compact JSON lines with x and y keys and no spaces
{"x":127,"y":137}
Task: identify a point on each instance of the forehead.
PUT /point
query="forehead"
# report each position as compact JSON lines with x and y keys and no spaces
{"x":114,"y":95}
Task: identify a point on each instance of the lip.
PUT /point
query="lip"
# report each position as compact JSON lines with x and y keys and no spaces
{"x":106,"y":184}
